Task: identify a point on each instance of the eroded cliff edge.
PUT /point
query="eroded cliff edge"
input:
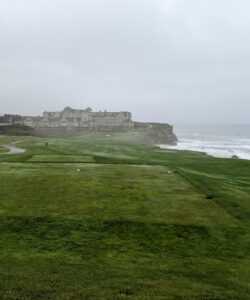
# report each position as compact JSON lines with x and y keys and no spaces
{"x":158,"y":133}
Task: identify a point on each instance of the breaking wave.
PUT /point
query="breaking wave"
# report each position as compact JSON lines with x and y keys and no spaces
{"x":217,"y":145}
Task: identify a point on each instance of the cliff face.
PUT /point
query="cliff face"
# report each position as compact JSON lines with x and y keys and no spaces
{"x":161,"y":134}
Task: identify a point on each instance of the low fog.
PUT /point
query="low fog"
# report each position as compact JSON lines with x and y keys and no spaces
{"x":163,"y":60}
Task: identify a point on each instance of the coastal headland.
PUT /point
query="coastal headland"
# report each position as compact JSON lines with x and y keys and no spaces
{"x":71,"y":120}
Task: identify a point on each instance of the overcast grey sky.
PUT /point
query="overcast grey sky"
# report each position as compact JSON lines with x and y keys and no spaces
{"x":163,"y":60}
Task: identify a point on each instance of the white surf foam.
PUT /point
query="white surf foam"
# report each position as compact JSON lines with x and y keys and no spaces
{"x":219,"y":140}
{"x":223,"y":149}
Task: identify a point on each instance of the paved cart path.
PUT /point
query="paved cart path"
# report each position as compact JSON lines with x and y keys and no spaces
{"x":13,"y":149}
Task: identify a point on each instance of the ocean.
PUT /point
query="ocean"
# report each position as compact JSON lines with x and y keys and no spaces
{"x":216,"y":140}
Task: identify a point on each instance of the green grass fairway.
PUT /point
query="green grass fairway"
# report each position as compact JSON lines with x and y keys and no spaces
{"x":61,"y":159}
{"x":107,"y":192}
{"x":97,"y":217}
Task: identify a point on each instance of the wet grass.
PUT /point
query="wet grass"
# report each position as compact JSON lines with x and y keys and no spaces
{"x":138,"y":223}
{"x":60,"y":159}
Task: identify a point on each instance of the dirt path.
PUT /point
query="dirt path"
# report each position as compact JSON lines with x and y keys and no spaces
{"x":13,"y":149}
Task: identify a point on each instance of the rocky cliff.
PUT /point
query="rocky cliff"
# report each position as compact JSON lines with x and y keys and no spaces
{"x":159,"y":134}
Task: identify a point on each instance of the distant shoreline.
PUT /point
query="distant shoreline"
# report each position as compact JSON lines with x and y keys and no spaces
{"x":170,"y":147}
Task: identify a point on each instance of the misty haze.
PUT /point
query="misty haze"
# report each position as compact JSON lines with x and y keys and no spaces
{"x":165,"y":61}
{"x":124,"y":149}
